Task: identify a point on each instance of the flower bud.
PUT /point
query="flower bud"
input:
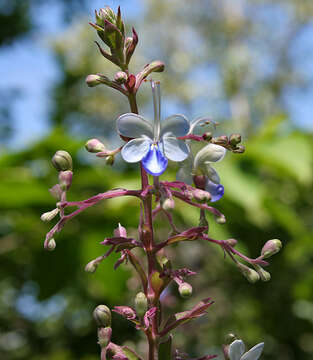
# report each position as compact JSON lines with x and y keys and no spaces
{"x":109,"y":160}
{"x":251,"y":275}
{"x":234,"y":139}
{"x":220,"y":140}
{"x":240,"y":149}
{"x":51,"y":245}
{"x":104,"y":336}
{"x":48,"y":216}
{"x":207,"y":136}
{"x":220,"y":219}
{"x":120,"y":77}
{"x":128,"y":41}
{"x":229,"y":338}
{"x":264,"y":275}
{"x":232,"y":242}
{"x":141,"y":304}
{"x":185,"y":290}
{"x":210,"y":153}
{"x":271,"y":247}
{"x":168,"y":204}
{"x":201,"y":195}
{"x":102,"y":315}
{"x":91,"y":267}
{"x":62,"y":160}
{"x":120,"y":231}
{"x":94,"y":146}
{"x":65,"y":179}
{"x":93,"y":80}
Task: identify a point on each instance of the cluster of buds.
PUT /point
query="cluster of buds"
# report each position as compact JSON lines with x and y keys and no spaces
{"x":63,"y":163}
{"x":270,"y":248}
{"x":231,"y":142}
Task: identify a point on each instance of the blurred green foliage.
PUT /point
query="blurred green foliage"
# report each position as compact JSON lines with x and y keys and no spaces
{"x":46,"y":299}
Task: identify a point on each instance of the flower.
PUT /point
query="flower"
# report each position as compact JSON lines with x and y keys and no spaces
{"x":237,"y":351}
{"x":153,"y":145}
{"x":199,"y":170}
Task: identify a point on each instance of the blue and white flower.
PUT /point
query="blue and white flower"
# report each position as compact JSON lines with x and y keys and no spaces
{"x":201,"y":165}
{"x":237,"y":351}
{"x":153,"y":144}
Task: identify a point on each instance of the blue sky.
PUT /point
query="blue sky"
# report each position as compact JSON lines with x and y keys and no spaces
{"x":30,"y":66}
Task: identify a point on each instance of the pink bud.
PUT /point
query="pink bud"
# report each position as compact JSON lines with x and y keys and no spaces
{"x":120,"y":231}
{"x":65,"y":179}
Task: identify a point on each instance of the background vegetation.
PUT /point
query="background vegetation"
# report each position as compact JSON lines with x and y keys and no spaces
{"x":245,"y":63}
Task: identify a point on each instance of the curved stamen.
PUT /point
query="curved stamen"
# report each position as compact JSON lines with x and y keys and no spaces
{"x":156,"y":93}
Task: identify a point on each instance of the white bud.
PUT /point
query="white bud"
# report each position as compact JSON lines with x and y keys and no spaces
{"x":48,"y":216}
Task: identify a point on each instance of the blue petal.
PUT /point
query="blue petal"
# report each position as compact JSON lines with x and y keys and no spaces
{"x":154,"y":162}
{"x":216,"y":190}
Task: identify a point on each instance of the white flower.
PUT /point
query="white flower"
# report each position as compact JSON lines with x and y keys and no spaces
{"x":201,"y":165}
{"x":154,"y":144}
{"x":237,"y":351}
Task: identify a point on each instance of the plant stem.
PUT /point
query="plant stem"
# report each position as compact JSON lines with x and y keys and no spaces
{"x":149,"y":246}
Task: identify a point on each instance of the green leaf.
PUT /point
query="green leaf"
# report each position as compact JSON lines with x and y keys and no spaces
{"x":131,"y":353}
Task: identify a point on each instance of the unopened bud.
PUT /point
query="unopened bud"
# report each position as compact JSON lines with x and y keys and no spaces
{"x":168,"y":204}
{"x":94,"y":146}
{"x":104,"y":336}
{"x":229,"y":338}
{"x":128,"y":41}
{"x":234,"y":139}
{"x":93,"y":80}
{"x":120,"y":77}
{"x":102,"y":315}
{"x":220,"y":219}
{"x":185,"y":290}
{"x":207,"y":136}
{"x":271,"y":247}
{"x":141,"y":304}
{"x":62,"y":160}
{"x":264,"y":275}
{"x":220,"y":140}
{"x":163,"y":261}
{"x":201,"y":195}
{"x":240,"y":149}
{"x":91,"y":267}
{"x":109,"y":160}
{"x":251,"y":275}
{"x":232,"y":242}
{"x":120,"y":231}
{"x":51,"y":245}
{"x":48,"y":216}
{"x":65,"y":179}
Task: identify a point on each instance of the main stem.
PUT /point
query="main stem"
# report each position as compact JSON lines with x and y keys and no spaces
{"x":149,"y":246}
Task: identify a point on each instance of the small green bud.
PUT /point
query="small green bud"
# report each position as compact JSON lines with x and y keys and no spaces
{"x":141,"y":304}
{"x":185,"y":290}
{"x":264,"y":275}
{"x":91,"y":267}
{"x":240,"y":149}
{"x":65,"y":179}
{"x":94,"y":146}
{"x":48,"y":216}
{"x":251,"y":275}
{"x":51,"y":245}
{"x":163,"y":261}
{"x":104,"y":336}
{"x":62,"y":160}
{"x":168,"y":204}
{"x":102,"y":315}
{"x":271,"y":247}
{"x":120,"y":77}
{"x":109,"y":160}
{"x":93,"y":80}
{"x":220,"y":219}
{"x":234,"y":139}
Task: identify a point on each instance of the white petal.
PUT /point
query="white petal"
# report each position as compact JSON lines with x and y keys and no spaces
{"x":174,"y":149}
{"x":211,"y":173}
{"x":133,"y":126}
{"x":254,"y":353}
{"x":236,"y":349}
{"x":210,"y":153}
{"x":175,"y":125}
{"x":135,"y":149}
